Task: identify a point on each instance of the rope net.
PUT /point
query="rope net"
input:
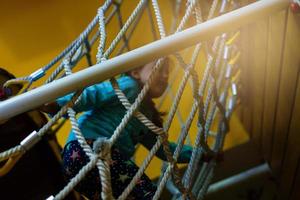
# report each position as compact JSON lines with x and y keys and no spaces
{"x":213,"y":89}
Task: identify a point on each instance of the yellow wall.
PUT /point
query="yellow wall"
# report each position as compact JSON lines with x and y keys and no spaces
{"x":33,"y":32}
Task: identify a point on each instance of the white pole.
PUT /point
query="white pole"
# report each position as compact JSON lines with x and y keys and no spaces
{"x":140,"y":56}
{"x":259,"y":172}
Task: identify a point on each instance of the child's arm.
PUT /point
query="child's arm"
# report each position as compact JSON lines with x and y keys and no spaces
{"x":184,"y":157}
{"x":101,"y":94}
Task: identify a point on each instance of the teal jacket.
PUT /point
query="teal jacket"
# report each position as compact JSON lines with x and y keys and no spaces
{"x":103,"y":112}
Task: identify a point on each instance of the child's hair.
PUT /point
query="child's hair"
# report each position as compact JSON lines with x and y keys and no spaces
{"x":156,"y":115}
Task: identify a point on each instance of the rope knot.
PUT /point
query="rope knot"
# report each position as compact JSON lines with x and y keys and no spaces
{"x":66,"y":61}
{"x":103,"y":59}
{"x":101,"y":147}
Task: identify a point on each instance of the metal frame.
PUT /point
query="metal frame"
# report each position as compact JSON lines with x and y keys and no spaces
{"x":259,"y":171}
{"x":139,"y":56}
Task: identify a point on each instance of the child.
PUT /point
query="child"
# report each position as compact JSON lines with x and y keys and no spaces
{"x":102,"y":114}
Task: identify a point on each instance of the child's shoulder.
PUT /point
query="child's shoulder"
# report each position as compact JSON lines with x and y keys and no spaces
{"x":127,"y":82}
{"x":126,"y":79}
{"x":124,"y":82}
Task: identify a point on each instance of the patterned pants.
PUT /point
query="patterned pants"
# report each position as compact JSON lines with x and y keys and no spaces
{"x":122,"y":171}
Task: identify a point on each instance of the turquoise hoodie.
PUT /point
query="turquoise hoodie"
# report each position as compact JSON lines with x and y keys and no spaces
{"x":103,"y":112}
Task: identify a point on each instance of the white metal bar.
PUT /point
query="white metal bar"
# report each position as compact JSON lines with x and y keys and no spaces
{"x":260,"y":171}
{"x":139,"y":56}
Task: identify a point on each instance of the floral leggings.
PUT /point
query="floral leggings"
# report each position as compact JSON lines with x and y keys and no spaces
{"x":122,"y":171}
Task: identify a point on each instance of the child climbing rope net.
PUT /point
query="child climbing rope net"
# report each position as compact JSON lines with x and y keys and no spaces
{"x":212,"y":103}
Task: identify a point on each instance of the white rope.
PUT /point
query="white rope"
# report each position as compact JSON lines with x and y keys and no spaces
{"x":131,"y":31}
{"x":114,"y":43}
{"x":159,"y":21}
{"x":213,"y":104}
{"x":185,"y":19}
{"x":19,"y":149}
{"x":104,"y":152}
{"x":195,"y":157}
{"x":102,"y":35}
{"x":75,"y":180}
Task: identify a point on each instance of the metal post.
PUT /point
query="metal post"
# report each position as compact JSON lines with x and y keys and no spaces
{"x":259,"y":171}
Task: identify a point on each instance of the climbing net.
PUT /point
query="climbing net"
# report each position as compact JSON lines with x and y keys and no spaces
{"x":214,"y":97}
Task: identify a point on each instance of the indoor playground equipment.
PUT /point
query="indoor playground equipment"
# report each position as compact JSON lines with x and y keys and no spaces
{"x":216,"y":51}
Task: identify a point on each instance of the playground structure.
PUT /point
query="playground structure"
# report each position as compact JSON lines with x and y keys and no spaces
{"x":256,"y":113}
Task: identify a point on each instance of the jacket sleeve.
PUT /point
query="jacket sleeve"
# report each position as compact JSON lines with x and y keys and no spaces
{"x":102,"y":94}
{"x":150,"y":139}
